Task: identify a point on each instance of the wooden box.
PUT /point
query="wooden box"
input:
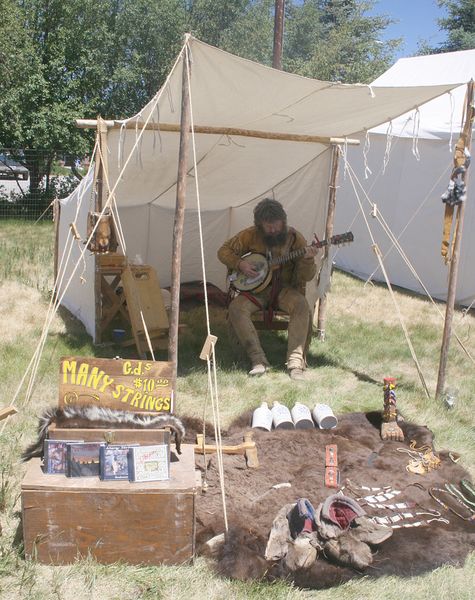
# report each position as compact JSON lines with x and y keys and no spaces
{"x":137,"y":523}
{"x":112,"y":260}
{"x":143,"y":437}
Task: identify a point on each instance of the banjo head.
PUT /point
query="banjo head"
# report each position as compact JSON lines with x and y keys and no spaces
{"x":244,"y":283}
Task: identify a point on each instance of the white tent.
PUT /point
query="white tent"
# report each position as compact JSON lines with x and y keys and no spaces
{"x":234,"y":171}
{"x":419,"y":145}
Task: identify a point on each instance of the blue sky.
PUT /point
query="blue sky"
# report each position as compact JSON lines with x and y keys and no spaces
{"x":417,"y":19}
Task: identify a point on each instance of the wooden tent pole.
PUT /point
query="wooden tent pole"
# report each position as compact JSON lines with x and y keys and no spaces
{"x":454,"y":263}
{"x":56,"y":217}
{"x":179,"y":219}
{"x":322,"y":304}
{"x":278,"y":34}
{"x":99,"y":203}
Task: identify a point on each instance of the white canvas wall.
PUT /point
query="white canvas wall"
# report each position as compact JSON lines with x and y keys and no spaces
{"x":408,"y":192}
{"x":408,"y":197}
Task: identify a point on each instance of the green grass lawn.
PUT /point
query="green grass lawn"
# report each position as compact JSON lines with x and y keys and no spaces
{"x":364,"y":343}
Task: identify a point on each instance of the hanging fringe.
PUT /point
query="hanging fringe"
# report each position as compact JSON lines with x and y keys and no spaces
{"x":120,"y":150}
{"x":415,"y":134}
{"x":366,"y":147}
{"x":155,"y":132}
{"x":170,"y":98}
{"x":344,"y":152}
{"x":389,"y":139}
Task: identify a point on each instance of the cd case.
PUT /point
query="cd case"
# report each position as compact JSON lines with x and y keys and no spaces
{"x":114,"y":462}
{"x":55,"y":458}
{"x":149,"y":463}
{"x":83,"y":459}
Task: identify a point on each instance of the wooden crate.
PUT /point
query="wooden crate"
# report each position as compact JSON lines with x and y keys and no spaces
{"x":137,"y":523}
{"x":112,"y":260}
{"x":143,"y":437}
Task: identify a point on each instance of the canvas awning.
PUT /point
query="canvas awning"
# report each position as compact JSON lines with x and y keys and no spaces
{"x":234,"y":172}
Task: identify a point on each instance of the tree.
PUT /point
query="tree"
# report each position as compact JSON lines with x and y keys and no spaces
{"x":63,"y":60}
{"x":460,"y":25}
{"x":82,"y":58}
{"x":336,"y":40}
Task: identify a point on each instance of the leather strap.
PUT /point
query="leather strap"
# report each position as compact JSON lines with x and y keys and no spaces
{"x":459,"y":161}
{"x":448,"y":219}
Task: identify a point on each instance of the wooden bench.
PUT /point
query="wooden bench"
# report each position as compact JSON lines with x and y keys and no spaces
{"x":280,"y":321}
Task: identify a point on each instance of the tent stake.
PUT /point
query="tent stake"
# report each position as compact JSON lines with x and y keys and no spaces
{"x":322,"y":304}
{"x":179,"y":219}
{"x":454,"y":263}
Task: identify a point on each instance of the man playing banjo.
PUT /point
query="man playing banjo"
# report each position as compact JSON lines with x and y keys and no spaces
{"x":264,"y":287}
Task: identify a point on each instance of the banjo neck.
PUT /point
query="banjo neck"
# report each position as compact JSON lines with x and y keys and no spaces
{"x":335,"y":240}
{"x":280,"y":260}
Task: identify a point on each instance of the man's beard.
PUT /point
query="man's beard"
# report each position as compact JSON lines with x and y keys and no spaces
{"x":272,"y":240}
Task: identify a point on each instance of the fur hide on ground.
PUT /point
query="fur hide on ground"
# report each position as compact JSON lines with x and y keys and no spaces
{"x":97,"y":417}
{"x":297,"y":457}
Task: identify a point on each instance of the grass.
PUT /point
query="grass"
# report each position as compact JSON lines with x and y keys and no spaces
{"x":364,"y":343}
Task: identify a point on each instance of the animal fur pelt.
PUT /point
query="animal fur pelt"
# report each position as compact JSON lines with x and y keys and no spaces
{"x":96,"y":417}
{"x":297,"y":457}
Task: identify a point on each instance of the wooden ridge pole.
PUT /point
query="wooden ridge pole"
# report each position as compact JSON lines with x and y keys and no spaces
{"x":322,"y":304}
{"x":278,"y":34}
{"x":179,"y":220}
{"x":454,"y":263}
{"x":210,"y":130}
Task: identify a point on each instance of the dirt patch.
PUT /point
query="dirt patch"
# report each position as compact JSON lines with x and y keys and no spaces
{"x":297,"y":457}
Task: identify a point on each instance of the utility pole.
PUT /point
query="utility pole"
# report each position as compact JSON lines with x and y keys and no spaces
{"x":278,"y":34}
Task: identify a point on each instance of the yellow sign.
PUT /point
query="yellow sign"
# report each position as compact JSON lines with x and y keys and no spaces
{"x":136,"y":385}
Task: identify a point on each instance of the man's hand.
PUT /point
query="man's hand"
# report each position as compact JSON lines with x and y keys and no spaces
{"x":311,"y":251}
{"x":247,"y":268}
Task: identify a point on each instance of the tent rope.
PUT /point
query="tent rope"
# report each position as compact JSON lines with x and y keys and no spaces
{"x":395,"y":244}
{"x":428,"y":196}
{"x":52,"y":309}
{"x":377,"y":251}
{"x":54,"y":306}
{"x":212,"y":381}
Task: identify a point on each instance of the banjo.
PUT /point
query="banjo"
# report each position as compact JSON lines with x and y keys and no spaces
{"x":266,"y":265}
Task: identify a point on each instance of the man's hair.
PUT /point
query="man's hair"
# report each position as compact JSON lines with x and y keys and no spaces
{"x":268,"y":211}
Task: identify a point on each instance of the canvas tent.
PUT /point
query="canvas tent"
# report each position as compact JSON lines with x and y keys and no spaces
{"x":233,"y":171}
{"x":408,"y":192}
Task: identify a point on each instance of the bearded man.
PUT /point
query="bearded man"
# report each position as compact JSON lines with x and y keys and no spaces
{"x":271,"y":236}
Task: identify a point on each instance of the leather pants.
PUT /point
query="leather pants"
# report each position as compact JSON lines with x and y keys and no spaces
{"x":289,"y":300}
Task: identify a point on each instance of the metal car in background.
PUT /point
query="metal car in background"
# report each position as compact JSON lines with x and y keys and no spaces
{"x":11,"y":169}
